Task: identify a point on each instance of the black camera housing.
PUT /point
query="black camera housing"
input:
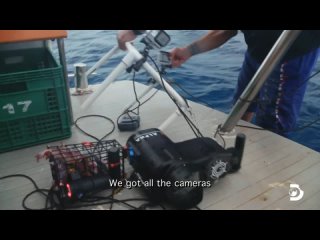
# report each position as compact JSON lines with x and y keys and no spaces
{"x":164,"y":59}
{"x":156,"y":39}
{"x":154,"y":156}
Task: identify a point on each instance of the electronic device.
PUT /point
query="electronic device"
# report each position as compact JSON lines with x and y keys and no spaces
{"x":129,"y":122}
{"x":164,"y":59}
{"x":153,"y":39}
{"x":156,"y":39}
{"x":187,"y":166}
{"x":80,"y":169}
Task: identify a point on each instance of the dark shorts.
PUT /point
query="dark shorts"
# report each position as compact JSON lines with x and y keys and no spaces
{"x":278,"y":103}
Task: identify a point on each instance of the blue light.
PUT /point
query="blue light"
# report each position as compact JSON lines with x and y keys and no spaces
{"x":131,"y":152}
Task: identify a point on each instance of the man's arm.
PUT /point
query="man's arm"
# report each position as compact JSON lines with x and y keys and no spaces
{"x":127,"y":36}
{"x":213,"y":39}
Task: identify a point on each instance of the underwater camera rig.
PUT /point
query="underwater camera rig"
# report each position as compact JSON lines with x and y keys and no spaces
{"x":80,"y":169}
{"x":186,"y":167}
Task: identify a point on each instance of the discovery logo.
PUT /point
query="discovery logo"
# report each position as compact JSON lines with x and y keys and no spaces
{"x":295,"y":192}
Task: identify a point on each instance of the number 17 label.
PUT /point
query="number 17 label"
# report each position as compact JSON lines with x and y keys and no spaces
{"x":10,"y":108}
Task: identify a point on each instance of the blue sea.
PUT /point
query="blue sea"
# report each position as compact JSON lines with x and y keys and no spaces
{"x":210,"y":77}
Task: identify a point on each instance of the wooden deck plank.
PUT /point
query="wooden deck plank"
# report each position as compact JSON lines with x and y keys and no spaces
{"x":269,"y":160}
{"x":259,"y":187}
{"x":245,"y":178}
{"x":309,"y":204}
{"x":277,"y":194}
{"x":308,"y":181}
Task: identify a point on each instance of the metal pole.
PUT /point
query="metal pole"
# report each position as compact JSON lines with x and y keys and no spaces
{"x":132,"y":56}
{"x":273,"y":58}
{"x":105,"y":58}
{"x":65,"y":74}
{"x":122,"y":66}
{"x":80,"y":76}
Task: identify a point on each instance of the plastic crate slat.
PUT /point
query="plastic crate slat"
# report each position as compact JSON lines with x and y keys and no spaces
{"x":48,"y":118}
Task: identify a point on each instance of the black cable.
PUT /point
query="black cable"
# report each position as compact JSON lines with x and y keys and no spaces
{"x":148,"y":99}
{"x":305,"y":126}
{"x":23,"y":176}
{"x":259,"y":102}
{"x":90,"y":200}
{"x":208,"y":104}
{"x":196,"y":207}
{"x":224,"y":142}
{"x":291,"y":93}
{"x":190,"y":123}
{"x":135,"y":92}
{"x":174,"y":101}
{"x":96,"y":199}
{"x":305,"y":81}
{"x":112,"y":198}
{"x":193,"y":127}
{"x":217,"y":132}
{"x":31,"y":193}
{"x":293,"y":130}
{"x":99,"y":141}
{"x":49,"y":193}
{"x":94,"y":115}
{"x":108,"y":202}
{"x":50,"y":198}
{"x":146,"y":205}
{"x":263,"y":129}
{"x":127,"y":111}
{"x":37,"y":190}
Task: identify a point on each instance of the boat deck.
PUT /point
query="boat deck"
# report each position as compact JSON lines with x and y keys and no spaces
{"x":270,"y":163}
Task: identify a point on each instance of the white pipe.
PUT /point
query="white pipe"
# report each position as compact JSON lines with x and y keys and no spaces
{"x":105,"y":58}
{"x":123,"y":65}
{"x":157,"y":77}
{"x":132,"y":56}
{"x":169,"y":120}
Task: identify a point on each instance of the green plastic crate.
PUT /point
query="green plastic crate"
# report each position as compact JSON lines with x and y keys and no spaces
{"x":33,"y":100}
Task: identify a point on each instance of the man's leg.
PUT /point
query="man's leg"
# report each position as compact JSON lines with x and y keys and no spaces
{"x":248,"y":116}
{"x":282,"y":94}
{"x":249,"y":68}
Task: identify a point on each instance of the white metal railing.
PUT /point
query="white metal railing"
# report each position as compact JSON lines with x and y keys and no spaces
{"x":132,"y":56}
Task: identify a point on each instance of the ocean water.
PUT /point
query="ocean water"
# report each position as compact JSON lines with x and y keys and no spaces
{"x":210,"y":77}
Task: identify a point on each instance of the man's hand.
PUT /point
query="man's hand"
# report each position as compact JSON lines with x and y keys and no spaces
{"x":179,"y":56}
{"x":123,"y":37}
